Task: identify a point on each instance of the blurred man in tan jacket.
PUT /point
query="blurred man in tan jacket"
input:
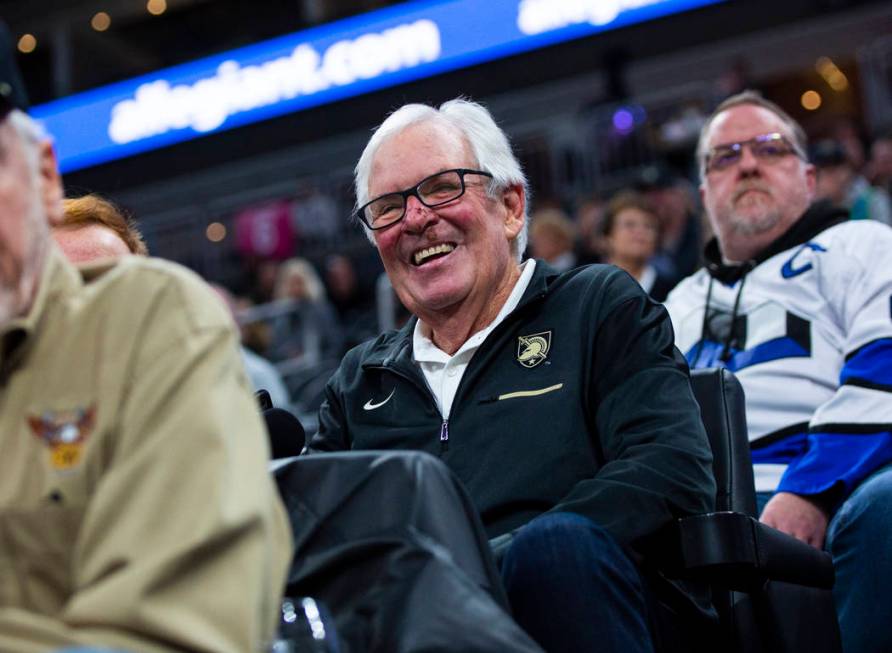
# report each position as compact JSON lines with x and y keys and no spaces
{"x":135,"y":507}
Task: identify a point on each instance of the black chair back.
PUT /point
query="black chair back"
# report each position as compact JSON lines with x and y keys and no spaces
{"x":723,"y":412}
{"x":772,"y":592}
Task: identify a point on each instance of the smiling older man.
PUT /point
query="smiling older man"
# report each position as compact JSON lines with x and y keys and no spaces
{"x":796,"y":301}
{"x":136,"y":511}
{"x":559,"y":400}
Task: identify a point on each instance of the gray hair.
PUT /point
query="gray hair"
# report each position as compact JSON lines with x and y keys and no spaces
{"x":800,"y":140}
{"x":30,"y":132}
{"x":30,"y":135}
{"x":487,"y":141}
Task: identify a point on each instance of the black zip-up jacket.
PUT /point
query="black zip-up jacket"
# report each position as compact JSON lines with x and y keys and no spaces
{"x":602,"y":423}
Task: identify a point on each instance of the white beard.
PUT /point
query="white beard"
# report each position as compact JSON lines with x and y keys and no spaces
{"x":748,"y":226}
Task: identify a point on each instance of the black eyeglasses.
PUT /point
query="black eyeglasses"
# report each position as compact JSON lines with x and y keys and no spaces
{"x":765,"y":147}
{"x":432,"y":191}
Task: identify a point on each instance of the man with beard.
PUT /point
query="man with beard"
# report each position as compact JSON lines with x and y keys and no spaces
{"x":136,"y":511}
{"x":795,"y":299}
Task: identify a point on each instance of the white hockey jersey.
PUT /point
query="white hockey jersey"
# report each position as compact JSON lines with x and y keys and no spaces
{"x":811,"y":343}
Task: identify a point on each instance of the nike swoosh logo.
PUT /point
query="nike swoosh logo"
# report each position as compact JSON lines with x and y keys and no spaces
{"x":369,"y":405}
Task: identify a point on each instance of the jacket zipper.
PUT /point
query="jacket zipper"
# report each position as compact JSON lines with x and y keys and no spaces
{"x":444,"y":427}
{"x":444,"y":436}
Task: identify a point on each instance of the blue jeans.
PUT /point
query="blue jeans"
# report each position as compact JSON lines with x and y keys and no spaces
{"x":859,"y":538}
{"x":573,"y":589}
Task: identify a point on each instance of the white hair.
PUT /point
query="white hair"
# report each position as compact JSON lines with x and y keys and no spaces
{"x":16,"y":298}
{"x":476,"y":125}
{"x":31,"y":133}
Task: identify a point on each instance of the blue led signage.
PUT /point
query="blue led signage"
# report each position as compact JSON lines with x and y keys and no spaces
{"x":335,"y":61}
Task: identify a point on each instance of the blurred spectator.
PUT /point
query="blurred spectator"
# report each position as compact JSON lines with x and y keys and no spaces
{"x":632,"y":234}
{"x":839,"y":182}
{"x":297,"y":279}
{"x":353,"y":301}
{"x":261,"y":372}
{"x":879,"y":169}
{"x":344,"y":291}
{"x":256,"y":334}
{"x":849,"y":135}
{"x":93,"y":228}
{"x":310,"y":328}
{"x":137,"y":509}
{"x":552,"y":237}
{"x":672,"y":198}
{"x":589,"y":230}
{"x":266,"y":272}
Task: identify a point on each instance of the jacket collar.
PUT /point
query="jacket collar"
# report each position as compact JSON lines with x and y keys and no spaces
{"x":395,"y":348}
{"x":820,"y":216}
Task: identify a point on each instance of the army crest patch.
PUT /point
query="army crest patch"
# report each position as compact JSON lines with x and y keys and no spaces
{"x":533,"y":349}
{"x":65,"y":433}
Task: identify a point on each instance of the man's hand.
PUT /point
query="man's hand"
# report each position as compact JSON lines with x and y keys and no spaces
{"x":797,"y":516}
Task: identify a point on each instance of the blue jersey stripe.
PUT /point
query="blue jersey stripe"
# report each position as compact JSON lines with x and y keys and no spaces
{"x":836,"y":458}
{"x":870,"y":366}
{"x":706,"y":353}
{"x":781,"y":451}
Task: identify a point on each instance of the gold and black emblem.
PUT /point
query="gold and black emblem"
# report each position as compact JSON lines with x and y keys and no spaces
{"x":533,"y":349}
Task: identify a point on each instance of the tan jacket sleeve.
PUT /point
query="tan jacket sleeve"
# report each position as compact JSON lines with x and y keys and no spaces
{"x":184,"y":545}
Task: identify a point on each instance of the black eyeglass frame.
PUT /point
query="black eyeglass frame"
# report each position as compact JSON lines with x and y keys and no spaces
{"x":738,"y":146}
{"x":413,"y":192}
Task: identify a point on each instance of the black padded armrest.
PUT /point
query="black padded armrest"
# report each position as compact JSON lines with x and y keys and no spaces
{"x":738,"y":552}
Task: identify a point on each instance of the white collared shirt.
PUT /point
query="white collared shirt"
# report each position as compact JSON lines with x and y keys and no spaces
{"x":442,"y":371}
{"x":647,"y":278}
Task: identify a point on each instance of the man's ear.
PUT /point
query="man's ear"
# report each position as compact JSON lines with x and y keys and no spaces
{"x":811,"y":179}
{"x":51,"y":190}
{"x":515,"y":209}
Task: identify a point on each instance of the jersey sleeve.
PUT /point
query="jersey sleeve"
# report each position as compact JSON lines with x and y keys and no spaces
{"x":850,"y":435}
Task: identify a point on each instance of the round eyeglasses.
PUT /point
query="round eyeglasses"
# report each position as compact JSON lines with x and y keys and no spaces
{"x":432,"y":191}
